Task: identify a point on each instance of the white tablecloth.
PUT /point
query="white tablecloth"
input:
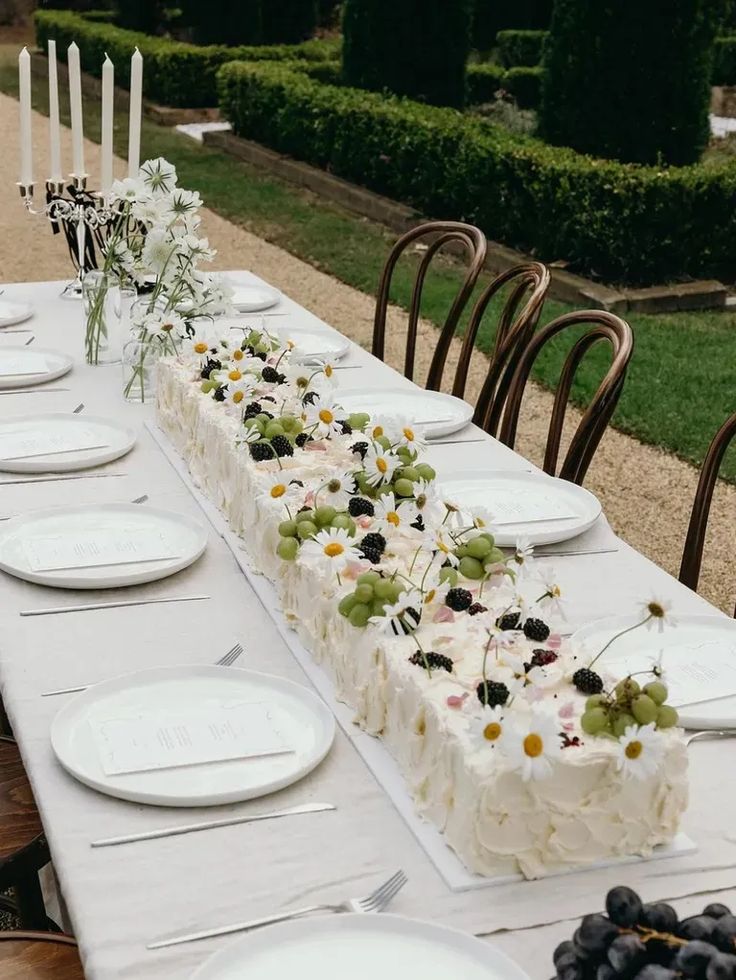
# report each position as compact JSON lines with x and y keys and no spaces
{"x":121,"y":898}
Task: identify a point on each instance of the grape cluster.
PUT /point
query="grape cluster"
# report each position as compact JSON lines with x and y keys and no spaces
{"x":629,"y":704}
{"x":370,"y":597}
{"x":476,"y":557}
{"x":404,"y":477}
{"x":635,"y":941}
{"x":305,"y":525}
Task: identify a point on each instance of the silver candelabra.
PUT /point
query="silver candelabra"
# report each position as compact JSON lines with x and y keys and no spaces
{"x":76,"y":215}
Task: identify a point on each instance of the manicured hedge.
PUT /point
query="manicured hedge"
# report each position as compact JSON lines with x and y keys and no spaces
{"x":517,"y":48}
{"x":492,"y":16}
{"x":484,"y":80}
{"x":724,"y":61}
{"x":626,"y":222}
{"x":99,"y":16}
{"x":174,"y":73}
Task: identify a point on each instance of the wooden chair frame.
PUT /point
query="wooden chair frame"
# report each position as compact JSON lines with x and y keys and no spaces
{"x":692,"y":555}
{"x":604,"y":327}
{"x":442,"y":233}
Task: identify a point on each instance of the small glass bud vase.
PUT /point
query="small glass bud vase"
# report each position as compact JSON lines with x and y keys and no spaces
{"x":102,"y":336}
{"x":140,"y":361}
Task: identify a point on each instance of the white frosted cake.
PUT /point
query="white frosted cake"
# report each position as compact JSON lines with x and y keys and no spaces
{"x":440,"y":643}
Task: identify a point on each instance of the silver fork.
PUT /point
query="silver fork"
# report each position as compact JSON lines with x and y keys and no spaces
{"x":78,"y":409}
{"x":377,"y":901}
{"x":225,"y":661}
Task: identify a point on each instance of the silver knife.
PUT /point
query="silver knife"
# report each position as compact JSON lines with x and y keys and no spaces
{"x":190,"y":828}
{"x":53,"y":610}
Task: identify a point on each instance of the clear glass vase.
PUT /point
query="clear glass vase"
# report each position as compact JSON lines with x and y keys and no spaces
{"x":102,"y":335}
{"x":140,"y":361}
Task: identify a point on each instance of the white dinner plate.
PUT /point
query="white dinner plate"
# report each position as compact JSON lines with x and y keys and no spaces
{"x":313,"y":347}
{"x":56,"y":365}
{"x":11,"y":312}
{"x":438,"y":414}
{"x":304,"y":720}
{"x":253,"y":297}
{"x":71,"y":524}
{"x":106,"y":439}
{"x":709,"y":639}
{"x":564,"y":509}
{"x":361,"y":947}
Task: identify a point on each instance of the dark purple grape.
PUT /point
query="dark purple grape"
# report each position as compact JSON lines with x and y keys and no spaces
{"x":722,"y":966}
{"x":605,"y":972}
{"x":562,"y":950}
{"x":626,"y":952}
{"x":692,"y":959}
{"x":595,"y":933}
{"x":659,"y":916}
{"x":566,"y":962}
{"x":716,"y":911}
{"x":653,"y":971}
{"x":724,"y":933}
{"x":696,"y":927}
{"x":624,"y":906}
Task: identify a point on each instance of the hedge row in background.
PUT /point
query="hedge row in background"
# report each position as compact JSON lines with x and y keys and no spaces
{"x":626,"y":222}
{"x":492,"y":16}
{"x":724,"y":61}
{"x":174,"y":73}
{"x":524,"y":84}
{"x":520,"y":48}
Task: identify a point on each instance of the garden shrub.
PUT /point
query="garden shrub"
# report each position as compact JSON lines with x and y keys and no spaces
{"x":517,"y":48}
{"x":492,"y":16}
{"x":724,"y":61}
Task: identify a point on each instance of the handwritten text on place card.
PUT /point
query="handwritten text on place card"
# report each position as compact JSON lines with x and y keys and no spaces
{"x":25,"y":444}
{"x":98,"y":547}
{"x":526,"y":505}
{"x":167,"y":741}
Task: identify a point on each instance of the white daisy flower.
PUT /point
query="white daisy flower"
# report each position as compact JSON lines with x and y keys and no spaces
{"x":405,"y":434}
{"x":402,"y":616}
{"x":391,"y":515}
{"x":640,"y":751}
{"x":322,"y":416}
{"x":330,"y":550}
{"x":524,"y":554}
{"x":380,"y":425}
{"x":488,"y":727}
{"x":336,"y":490}
{"x":238,"y":391}
{"x":531,"y":744}
{"x":379,"y":465}
{"x":480,"y":517}
{"x":434,"y":590}
{"x":158,"y":176}
{"x":128,"y":189}
{"x":277,"y":490}
{"x":540,"y":677}
{"x":158,"y":251}
{"x":443,"y":543}
{"x":658,"y":613}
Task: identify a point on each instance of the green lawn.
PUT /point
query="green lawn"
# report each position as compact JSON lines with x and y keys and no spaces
{"x":681,"y":382}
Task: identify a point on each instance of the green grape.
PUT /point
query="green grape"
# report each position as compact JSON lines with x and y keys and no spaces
{"x":384,"y":442}
{"x":594,"y":720}
{"x":263,"y":418}
{"x":667,"y":717}
{"x":404,"y":488}
{"x":287,"y":548}
{"x":250,"y":423}
{"x":595,"y":700}
{"x":207,"y":386}
{"x":377,"y":607}
{"x":344,"y":521}
{"x":426,"y":472}
{"x":307,"y":529}
{"x":495,"y":557}
{"x":479,"y":547}
{"x":289,"y":423}
{"x":358,"y":420}
{"x":410,"y":473}
{"x":347,"y":603}
{"x":627,"y":688}
{"x":364,"y":593}
{"x":471,"y":568}
{"x":396,"y":590}
{"x":383,"y":588}
{"x":369,"y":578}
{"x":449,"y":574}
{"x":273,"y":429}
{"x":325,"y":515}
{"x":360,"y":614}
{"x":461,"y":551}
{"x":287,"y":529}
{"x":657,"y":691}
{"x":304,"y":515}
{"x":384,"y":490}
{"x":644,"y":709}
{"x":489,"y":536}
{"x":622,"y":722}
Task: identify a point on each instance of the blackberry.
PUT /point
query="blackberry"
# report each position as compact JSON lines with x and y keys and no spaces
{"x":212,"y":364}
{"x":435,"y":661}
{"x":268,"y":398}
{"x":361,"y":448}
{"x":587,"y":681}
{"x":492,"y":693}
{"x":310,"y":398}
{"x":542,"y":658}
{"x":261,"y":451}
{"x":374,"y":540}
{"x":302,"y":439}
{"x":296,"y":483}
{"x":372,"y":554}
{"x":219,"y":394}
{"x":509,"y":621}
{"x":535,"y":629}
{"x":477,"y":608}
{"x":418,"y":523}
{"x":459,"y":599}
{"x":252,"y":410}
{"x":408,"y":622}
{"x":260,"y":354}
{"x":345,"y":427}
{"x":272,"y":376}
{"x":359,"y":506}
{"x":282,"y":446}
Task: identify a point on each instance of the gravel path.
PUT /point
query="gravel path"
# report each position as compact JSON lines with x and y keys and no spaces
{"x":646,"y":493}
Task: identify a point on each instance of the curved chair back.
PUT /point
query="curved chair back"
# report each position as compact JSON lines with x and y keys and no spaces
{"x":440,"y":234}
{"x":692,"y":555}
{"x":602,"y":327}
{"x":528,"y":289}
{"x":40,"y":955}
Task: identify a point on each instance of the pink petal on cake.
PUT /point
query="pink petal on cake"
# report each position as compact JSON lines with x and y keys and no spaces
{"x":567,"y":726}
{"x":456,"y":700}
{"x":315,"y":447}
{"x":444,"y":615}
{"x":309,"y":499}
{"x":364,"y":521}
{"x":554,"y":641}
{"x":567,"y":710}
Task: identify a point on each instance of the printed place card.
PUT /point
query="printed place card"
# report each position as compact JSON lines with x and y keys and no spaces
{"x":23,"y":363}
{"x":98,"y":547}
{"x":216,"y":733}
{"x":694,"y":672}
{"x":526,"y":505}
{"x":25,"y":444}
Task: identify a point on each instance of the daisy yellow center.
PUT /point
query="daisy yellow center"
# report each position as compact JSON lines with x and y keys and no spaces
{"x":278,"y":490}
{"x":421,"y":501}
{"x":328,"y":371}
{"x":409,"y":434}
{"x":634,"y":749}
{"x":533,"y":745}
{"x":441,"y":546}
{"x":168,"y":327}
{"x":333,"y":549}
{"x":378,"y":432}
{"x":235,"y":375}
{"x":429,"y":597}
{"x":302,"y":382}
{"x":334,"y":486}
{"x":479,"y":522}
{"x":655,"y":610}
{"x":290,"y":344}
{"x":555,"y":592}
{"x":393,"y":518}
{"x":326,"y":416}
{"x":381,"y":465}
{"x":492,"y":731}
{"x":237,"y":354}
{"x":200,"y":347}
{"x":237,"y":397}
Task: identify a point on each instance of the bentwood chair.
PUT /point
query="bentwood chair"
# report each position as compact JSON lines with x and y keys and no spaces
{"x":692,"y":555}
{"x":601,"y":326}
{"x":23,"y":847}
{"x":434,"y":236}
{"x":527,"y":287}
{"x":39,"y":956}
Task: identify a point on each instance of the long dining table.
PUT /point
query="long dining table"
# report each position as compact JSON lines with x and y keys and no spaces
{"x":121,"y":898}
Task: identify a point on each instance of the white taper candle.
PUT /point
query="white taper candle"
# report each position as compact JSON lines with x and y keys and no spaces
{"x":26,"y":146}
{"x":108,"y":83}
{"x":75,"y":100}
{"x":54,"y":131}
{"x":136,"y":99}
